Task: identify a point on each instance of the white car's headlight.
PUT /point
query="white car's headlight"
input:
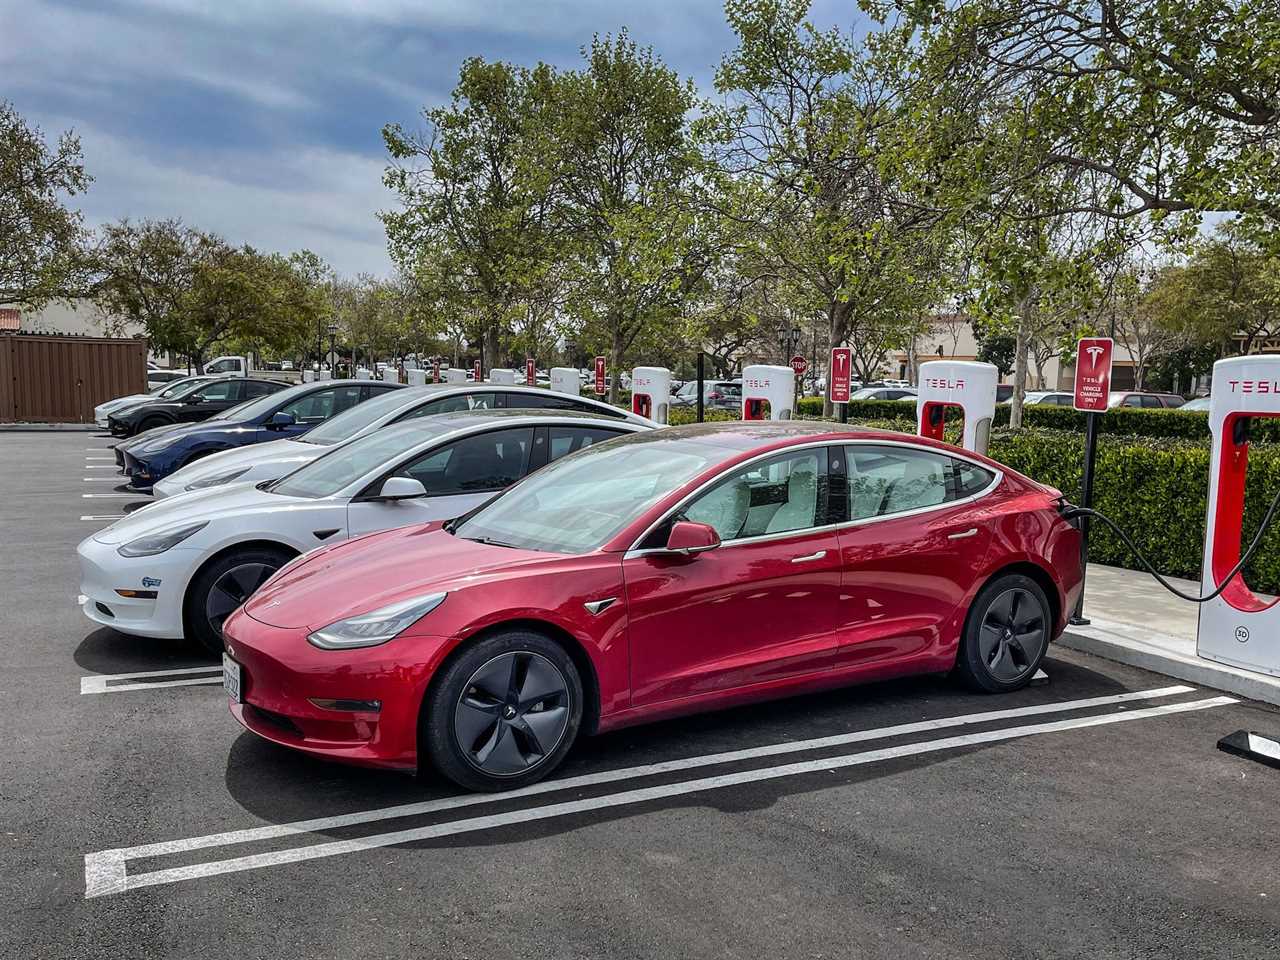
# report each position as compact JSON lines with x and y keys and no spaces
{"x":154,"y":543}
{"x":375,"y":627}
{"x":217,"y":480}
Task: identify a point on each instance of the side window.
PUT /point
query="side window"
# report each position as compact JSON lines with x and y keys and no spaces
{"x":475,"y":464}
{"x":257,"y":388}
{"x":219,"y":390}
{"x":461,"y":401}
{"x":970,"y":478}
{"x":1152,"y":402}
{"x":541,"y":401}
{"x":776,"y":496}
{"x":222,"y":366}
{"x":1131,"y":401}
{"x":569,"y":439}
{"x":885,"y":480}
{"x":323,"y":404}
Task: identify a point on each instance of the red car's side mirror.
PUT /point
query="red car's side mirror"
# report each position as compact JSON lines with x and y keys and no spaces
{"x":688,"y":538}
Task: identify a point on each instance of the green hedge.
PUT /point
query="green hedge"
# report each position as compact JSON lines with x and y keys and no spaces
{"x":1156,"y":490}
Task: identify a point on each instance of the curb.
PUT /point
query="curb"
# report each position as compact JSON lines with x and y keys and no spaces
{"x":1132,"y":645}
{"x":51,"y":427}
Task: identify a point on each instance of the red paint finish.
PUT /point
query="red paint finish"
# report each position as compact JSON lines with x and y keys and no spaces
{"x":741,"y":622}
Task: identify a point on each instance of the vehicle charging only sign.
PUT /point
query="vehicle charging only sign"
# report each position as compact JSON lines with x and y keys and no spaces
{"x":600,"y":383}
{"x":530,"y":372}
{"x":1093,"y":374}
{"x":839,"y":374}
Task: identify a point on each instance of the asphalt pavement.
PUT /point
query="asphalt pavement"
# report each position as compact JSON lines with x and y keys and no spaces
{"x":1089,"y":817}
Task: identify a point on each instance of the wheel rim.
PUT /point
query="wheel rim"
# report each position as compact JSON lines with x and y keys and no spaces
{"x":1013,"y":634}
{"x":512,"y":714}
{"x":232,"y":589}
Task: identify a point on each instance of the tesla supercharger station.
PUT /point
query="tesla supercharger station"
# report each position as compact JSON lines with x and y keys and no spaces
{"x":966,"y":384}
{"x":363,"y":374}
{"x":417,"y":378}
{"x":308,"y":376}
{"x":505,"y":377}
{"x":455,"y":375}
{"x":324,"y":375}
{"x":391,"y":375}
{"x":651,"y":392}
{"x":1236,"y":627}
{"x":566,"y":380}
{"x":768,"y":393}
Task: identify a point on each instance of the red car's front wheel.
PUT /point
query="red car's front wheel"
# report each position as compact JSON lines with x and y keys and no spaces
{"x":1005,"y":635}
{"x":504,"y":713}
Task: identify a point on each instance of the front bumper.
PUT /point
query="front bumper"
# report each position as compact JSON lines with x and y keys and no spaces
{"x":103,"y":572}
{"x":281,"y":672}
{"x":166,"y":488}
{"x":140,"y":472}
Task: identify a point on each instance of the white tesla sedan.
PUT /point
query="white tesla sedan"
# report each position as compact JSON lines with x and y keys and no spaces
{"x":268,"y":461}
{"x":180,"y":567}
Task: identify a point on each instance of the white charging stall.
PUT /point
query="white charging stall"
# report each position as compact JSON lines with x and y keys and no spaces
{"x":324,"y":375}
{"x":768,"y":393}
{"x":966,"y":384}
{"x":566,"y":380}
{"x":417,"y":378}
{"x":308,"y":376}
{"x":390,"y":375}
{"x":506,"y":378}
{"x":455,"y":375}
{"x":651,"y":392}
{"x":1237,"y":627}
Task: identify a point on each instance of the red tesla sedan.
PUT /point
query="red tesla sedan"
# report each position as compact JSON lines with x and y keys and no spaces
{"x":650,"y":576}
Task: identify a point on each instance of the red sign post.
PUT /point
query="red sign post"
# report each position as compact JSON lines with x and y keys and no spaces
{"x":1092,"y":391}
{"x":530,"y":372}
{"x":435,"y":372}
{"x":840,"y":374}
{"x":478,"y":375}
{"x":600,"y":384}
{"x":1093,"y":373}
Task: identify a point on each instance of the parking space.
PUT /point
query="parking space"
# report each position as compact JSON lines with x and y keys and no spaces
{"x":1091,"y":816}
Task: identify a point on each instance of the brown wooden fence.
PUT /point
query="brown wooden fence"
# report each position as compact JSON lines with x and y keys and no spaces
{"x":61,"y":379}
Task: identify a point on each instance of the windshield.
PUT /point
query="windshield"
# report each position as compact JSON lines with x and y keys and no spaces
{"x":252,"y":409}
{"x":577,"y":503}
{"x":344,"y":465}
{"x":350,"y":422}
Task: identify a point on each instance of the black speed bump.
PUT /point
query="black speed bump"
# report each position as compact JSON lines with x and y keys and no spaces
{"x":1254,"y":746}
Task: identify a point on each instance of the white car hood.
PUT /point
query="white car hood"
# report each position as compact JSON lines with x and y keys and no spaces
{"x":235,"y":499}
{"x":286,"y":455}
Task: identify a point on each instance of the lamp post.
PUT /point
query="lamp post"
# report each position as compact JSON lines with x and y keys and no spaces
{"x":333,"y":333}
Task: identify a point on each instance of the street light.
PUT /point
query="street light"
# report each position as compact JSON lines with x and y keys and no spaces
{"x":333,"y":332}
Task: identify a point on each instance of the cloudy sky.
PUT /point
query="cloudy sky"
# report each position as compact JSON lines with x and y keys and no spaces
{"x":260,"y":120}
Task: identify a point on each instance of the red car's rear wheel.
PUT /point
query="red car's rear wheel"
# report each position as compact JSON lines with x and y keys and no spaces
{"x":1005,"y":636}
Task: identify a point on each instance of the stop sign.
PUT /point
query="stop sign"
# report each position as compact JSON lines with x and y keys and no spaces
{"x":799,"y":364}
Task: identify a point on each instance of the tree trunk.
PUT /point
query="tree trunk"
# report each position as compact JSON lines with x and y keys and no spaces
{"x":1019,"y":370}
{"x":838,"y":330}
{"x":615,"y":363}
{"x":1139,"y":374}
{"x":492,"y":347}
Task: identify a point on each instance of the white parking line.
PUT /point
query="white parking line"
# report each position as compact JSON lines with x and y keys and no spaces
{"x":101,"y":466}
{"x":103,"y":479}
{"x":114,"y":516}
{"x":106,"y":873}
{"x":99,"y":682}
{"x":114,"y":496}
{"x":92,"y":458}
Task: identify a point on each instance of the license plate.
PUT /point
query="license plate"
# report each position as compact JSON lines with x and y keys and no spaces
{"x":231,"y":679}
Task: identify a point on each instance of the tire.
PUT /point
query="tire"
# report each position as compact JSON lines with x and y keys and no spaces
{"x":218,"y":589}
{"x":475,"y":726}
{"x":150,"y":424}
{"x":1006,"y":635}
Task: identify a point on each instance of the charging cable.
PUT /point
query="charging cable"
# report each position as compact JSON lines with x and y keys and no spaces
{"x":1071,"y":512}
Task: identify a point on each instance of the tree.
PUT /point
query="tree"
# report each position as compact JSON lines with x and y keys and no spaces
{"x":1157,"y":108}
{"x":627,"y":180}
{"x":41,"y":239}
{"x":476,"y":186}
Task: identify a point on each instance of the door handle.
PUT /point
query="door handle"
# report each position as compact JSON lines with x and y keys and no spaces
{"x":971,"y":532}
{"x":811,"y":556}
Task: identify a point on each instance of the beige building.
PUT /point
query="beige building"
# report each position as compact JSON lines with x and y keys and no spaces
{"x":79,"y":318}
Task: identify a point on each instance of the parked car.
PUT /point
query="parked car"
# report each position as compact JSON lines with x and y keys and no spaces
{"x":1049,"y":398}
{"x":159,"y":378}
{"x":166,"y":391}
{"x":282,"y":413}
{"x":267,"y":461}
{"x":1146,"y":401}
{"x":1199,"y":404}
{"x":716,"y":394}
{"x":656,"y":575}
{"x":884,"y":393}
{"x":190,"y":406}
{"x":179,"y":567}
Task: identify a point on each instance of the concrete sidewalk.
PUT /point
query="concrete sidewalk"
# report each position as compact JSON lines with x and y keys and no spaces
{"x":1136,"y":621}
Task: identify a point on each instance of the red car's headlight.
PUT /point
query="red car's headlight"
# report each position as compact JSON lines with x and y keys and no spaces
{"x":375,"y":627}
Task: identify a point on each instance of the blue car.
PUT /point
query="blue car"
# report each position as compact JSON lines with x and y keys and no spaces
{"x":287,"y":413}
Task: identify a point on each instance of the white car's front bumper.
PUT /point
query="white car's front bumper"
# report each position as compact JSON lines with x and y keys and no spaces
{"x":104,"y":572}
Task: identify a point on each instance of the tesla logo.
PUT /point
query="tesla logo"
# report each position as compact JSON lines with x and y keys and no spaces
{"x":941,"y":383}
{"x":1242,"y":634}
{"x":1255,"y":386}
{"x":1094,"y":353}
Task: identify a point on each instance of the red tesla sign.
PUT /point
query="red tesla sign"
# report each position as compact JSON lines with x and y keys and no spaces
{"x":478,"y":376}
{"x":839,"y":374}
{"x":600,"y":385}
{"x":1093,"y":373}
{"x":530,"y":371}
{"x":435,"y":372}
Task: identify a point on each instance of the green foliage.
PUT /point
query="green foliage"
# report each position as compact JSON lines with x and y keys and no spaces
{"x":41,"y":239}
{"x":1167,"y":518}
